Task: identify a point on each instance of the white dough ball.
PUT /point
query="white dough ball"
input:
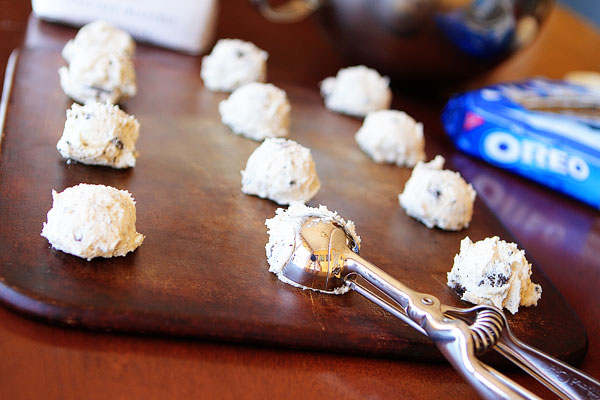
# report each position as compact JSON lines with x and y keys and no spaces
{"x":257,"y":111}
{"x":100,"y":36}
{"x":391,"y":136}
{"x":281,"y":170}
{"x":356,"y":91}
{"x":99,"y":134}
{"x":492,"y":271}
{"x":438,"y":197}
{"x":96,"y":76}
{"x":92,"y":221}
{"x":233,"y":63}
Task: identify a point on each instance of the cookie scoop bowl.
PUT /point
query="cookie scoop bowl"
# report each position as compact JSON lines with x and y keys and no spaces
{"x":321,"y":256}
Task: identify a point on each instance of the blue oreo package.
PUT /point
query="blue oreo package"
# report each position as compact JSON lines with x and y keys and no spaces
{"x":545,"y":130}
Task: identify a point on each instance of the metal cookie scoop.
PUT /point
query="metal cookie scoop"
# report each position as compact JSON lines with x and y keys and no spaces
{"x":326,"y":258}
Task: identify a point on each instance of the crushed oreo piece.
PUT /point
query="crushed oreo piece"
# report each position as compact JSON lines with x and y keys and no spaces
{"x":497,"y":280}
{"x":117,"y":143}
{"x":458,"y":289}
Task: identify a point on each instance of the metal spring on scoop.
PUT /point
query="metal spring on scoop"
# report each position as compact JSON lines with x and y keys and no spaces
{"x":486,"y":330}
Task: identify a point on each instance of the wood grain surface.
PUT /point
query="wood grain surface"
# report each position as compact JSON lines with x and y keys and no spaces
{"x":201,"y":271}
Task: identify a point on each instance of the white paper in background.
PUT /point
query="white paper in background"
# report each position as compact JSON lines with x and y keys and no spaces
{"x":185,"y":25}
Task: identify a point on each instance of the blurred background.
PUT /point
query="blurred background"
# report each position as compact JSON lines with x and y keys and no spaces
{"x":588,"y":9}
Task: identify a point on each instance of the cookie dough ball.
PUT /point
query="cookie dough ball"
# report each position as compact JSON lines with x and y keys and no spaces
{"x":494,"y":272}
{"x":99,"y":134}
{"x":281,"y":170}
{"x":257,"y":111}
{"x":92,"y":221}
{"x":99,"y":35}
{"x":438,"y":197}
{"x":356,"y":91}
{"x":233,"y":63}
{"x":96,"y":76}
{"x":390,"y":136}
{"x":284,"y":232}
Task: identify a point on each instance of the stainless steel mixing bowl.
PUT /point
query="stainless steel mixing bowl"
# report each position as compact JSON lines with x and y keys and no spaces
{"x":421,"y":40}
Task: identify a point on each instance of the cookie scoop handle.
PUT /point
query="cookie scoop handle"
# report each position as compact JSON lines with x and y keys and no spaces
{"x":325,"y":259}
{"x":564,"y":380}
{"x":288,"y":12}
{"x":451,"y":336}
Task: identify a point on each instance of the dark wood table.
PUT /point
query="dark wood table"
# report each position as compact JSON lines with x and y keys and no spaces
{"x":560,"y":234}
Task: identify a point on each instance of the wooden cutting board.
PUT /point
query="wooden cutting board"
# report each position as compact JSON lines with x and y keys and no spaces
{"x":201,"y":271}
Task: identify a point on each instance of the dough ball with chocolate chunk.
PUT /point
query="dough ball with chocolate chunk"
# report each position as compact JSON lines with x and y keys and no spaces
{"x":391,"y":136}
{"x":100,"y":134}
{"x":356,"y":91}
{"x":92,"y":221}
{"x":99,"y":35}
{"x":257,"y":111}
{"x":492,"y":271}
{"x":281,"y":170}
{"x":233,"y":63}
{"x":438,"y":197}
{"x":96,"y":75}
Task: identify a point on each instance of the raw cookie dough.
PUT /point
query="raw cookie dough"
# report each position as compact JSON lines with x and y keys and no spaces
{"x":99,"y":35}
{"x":283,"y":230}
{"x":95,"y":75}
{"x":257,"y":111}
{"x":233,"y":63}
{"x":99,"y":134}
{"x":438,"y":197}
{"x":391,"y":136}
{"x":356,"y":91}
{"x":495,"y":272}
{"x":281,"y":170}
{"x":92,"y":221}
